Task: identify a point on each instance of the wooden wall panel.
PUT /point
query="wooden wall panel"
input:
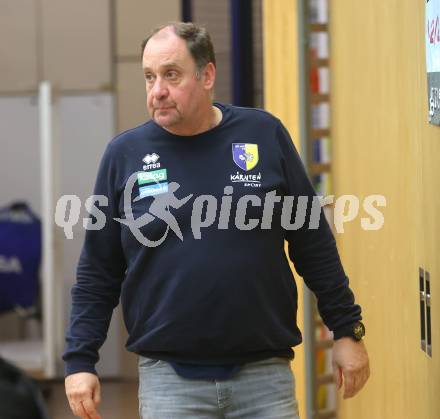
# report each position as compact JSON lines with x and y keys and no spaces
{"x":76,"y":42}
{"x":18,"y":46}
{"x":384,"y":145}
{"x":281,"y":97}
{"x":132,"y":98}
{"x":280,"y":54}
{"x":257,"y":31}
{"x":135,"y":19}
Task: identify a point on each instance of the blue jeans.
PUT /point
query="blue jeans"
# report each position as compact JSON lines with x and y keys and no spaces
{"x":261,"y":390}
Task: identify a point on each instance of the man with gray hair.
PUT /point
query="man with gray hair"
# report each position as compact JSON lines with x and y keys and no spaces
{"x":212,"y":317}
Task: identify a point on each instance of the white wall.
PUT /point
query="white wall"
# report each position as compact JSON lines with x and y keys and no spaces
{"x":19,"y":151}
{"x":86,"y":124}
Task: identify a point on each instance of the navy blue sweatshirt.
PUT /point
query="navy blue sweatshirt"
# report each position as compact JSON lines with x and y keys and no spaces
{"x":218,"y":294}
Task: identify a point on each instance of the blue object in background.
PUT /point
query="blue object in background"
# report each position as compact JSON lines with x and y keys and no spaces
{"x":20,"y":256}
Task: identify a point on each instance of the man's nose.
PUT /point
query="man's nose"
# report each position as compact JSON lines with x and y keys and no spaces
{"x":159,"y":89}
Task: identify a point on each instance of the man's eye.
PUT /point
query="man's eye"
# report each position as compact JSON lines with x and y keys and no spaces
{"x":149,"y":77}
{"x":172,"y":75}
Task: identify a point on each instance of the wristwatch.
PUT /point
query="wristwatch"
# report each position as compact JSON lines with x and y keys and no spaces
{"x":355,"y":331}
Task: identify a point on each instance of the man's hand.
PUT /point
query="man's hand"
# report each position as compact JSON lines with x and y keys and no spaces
{"x":350,"y":361}
{"x":84,"y":394}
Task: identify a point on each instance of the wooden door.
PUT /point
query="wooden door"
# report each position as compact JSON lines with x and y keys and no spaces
{"x":383,"y":144}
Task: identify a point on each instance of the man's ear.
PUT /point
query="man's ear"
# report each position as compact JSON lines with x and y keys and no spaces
{"x":208,"y":76}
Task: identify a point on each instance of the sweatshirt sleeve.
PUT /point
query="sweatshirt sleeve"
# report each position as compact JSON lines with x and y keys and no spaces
{"x":100,"y":271}
{"x":313,"y":251}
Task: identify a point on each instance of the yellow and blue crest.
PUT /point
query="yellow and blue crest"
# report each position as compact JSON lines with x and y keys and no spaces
{"x":245,"y":155}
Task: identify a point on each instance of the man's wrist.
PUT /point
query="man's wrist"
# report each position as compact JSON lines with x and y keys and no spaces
{"x":356,"y":331}
{"x":73,"y":367}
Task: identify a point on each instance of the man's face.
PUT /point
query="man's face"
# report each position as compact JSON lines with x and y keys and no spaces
{"x":174,"y":93}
